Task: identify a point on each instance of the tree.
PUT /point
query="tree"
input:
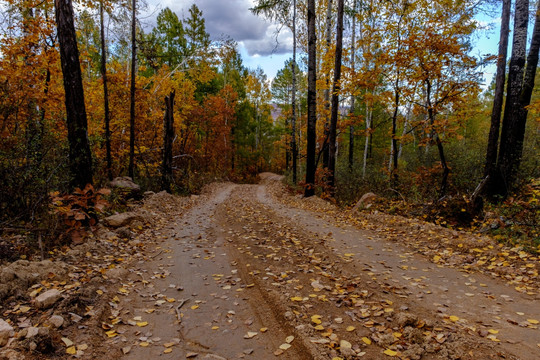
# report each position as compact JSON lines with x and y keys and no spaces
{"x":311,"y":101}
{"x":353,"y":69}
{"x":279,"y":10}
{"x":80,"y":157}
{"x":335,"y":99}
{"x":168,"y":136}
{"x":107,"y":118}
{"x":195,"y":30}
{"x":131,"y":168}
{"x":521,"y":76}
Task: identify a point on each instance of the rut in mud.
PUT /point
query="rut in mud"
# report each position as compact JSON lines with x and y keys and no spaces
{"x":245,"y":275}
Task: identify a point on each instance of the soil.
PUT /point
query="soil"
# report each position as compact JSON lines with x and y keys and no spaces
{"x":251,"y":271}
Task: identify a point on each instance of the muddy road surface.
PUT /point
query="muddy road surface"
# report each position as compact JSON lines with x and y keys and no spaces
{"x":246,"y":274}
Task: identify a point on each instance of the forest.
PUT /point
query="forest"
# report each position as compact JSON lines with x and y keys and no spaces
{"x":383,"y":97}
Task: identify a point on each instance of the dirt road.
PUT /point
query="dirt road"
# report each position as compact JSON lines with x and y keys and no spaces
{"x":245,"y":274}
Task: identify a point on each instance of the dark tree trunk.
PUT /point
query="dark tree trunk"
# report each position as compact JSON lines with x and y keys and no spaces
{"x":513,"y":126}
{"x":80,"y":157}
{"x":105,"y":94}
{"x":293,"y":100}
{"x":168,"y":136}
{"x":440,"y":147}
{"x":325,"y":148}
{"x":353,"y":69}
{"x":332,"y":139}
{"x":131,"y":169}
{"x":498,"y":99}
{"x":311,"y":102}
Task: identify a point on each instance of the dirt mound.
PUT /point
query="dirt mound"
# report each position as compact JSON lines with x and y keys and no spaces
{"x":22,"y":274}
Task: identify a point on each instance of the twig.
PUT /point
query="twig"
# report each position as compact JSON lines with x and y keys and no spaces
{"x":159,"y":253}
{"x":182,"y":302}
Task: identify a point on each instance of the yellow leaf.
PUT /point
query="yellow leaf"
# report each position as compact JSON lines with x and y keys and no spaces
{"x":149,"y":311}
{"x":436,"y":258}
{"x":296,"y":298}
{"x":167,"y":351}
{"x":350,"y":328}
{"x":111,"y":333}
{"x":144,"y":344}
{"x":215,"y":327}
{"x":390,"y":352}
{"x":168,"y":345}
{"x":263,"y":330}
{"x":532,"y":321}
{"x":319,"y":327}
{"x":142,"y":324}
{"x":366,"y":340}
{"x":316,"y":319}
{"x":349,"y":255}
{"x":494,"y":332}
{"x":284,"y":346}
{"x":71,"y":350}
{"x":194,"y":307}
{"x":454,"y":318}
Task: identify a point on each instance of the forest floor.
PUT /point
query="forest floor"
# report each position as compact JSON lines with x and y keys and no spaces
{"x":250,"y":271}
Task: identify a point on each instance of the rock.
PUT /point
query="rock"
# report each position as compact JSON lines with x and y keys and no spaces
{"x":213,"y":357}
{"x":406,"y":319}
{"x":56,"y":321}
{"x":123,"y":219}
{"x":10,"y":354}
{"x":124,"y":233}
{"x":345,"y":348}
{"x":116,"y":273}
{"x":125,"y":183}
{"x":48,"y":298}
{"x":366,"y":200}
{"x":6,"y":332}
{"x":148,"y":194}
{"x":31,"y":332}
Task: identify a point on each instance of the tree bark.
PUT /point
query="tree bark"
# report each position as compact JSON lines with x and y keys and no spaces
{"x":332,"y":139}
{"x":311,"y":101}
{"x":293,"y":100}
{"x":80,"y":158}
{"x":131,"y":169}
{"x":325,"y":148}
{"x":353,"y":69}
{"x":105,"y":93}
{"x":509,"y":155}
{"x":168,"y":136}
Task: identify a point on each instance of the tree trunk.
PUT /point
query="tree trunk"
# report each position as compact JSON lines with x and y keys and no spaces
{"x":131,"y":169}
{"x":513,"y":126}
{"x":353,"y":69}
{"x":105,"y":93}
{"x":394,"y":150}
{"x":327,"y":104}
{"x":311,"y":101}
{"x":368,"y":137}
{"x":435,"y":135}
{"x":293,"y":101}
{"x":332,"y":139}
{"x":80,"y":157}
{"x":168,"y":136}
{"x":493,"y":142}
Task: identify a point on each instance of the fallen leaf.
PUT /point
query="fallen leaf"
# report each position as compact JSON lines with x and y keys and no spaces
{"x":142,"y":324}
{"x":366,"y":340}
{"x":194,"y":307}
{"x":71,"y":350}
{"x":296,"y":298}
{"x":67,"y":342}
{"x":167,"y":351}
{"x":453,"y":318}
{"x":263,"y":330}
{"x":533,"y":321}
{"x":144,"y":344}
{"x":289,"y":339}
{"x":285,"y":346}
{"x":494,"y":332}
{"x":316,"y":319}
{"x":390,"y":352}
{"x":350,"y":328}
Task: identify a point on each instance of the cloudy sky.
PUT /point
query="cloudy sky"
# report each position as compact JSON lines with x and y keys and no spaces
{"x":255,"y":36}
